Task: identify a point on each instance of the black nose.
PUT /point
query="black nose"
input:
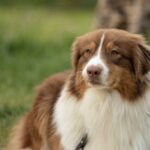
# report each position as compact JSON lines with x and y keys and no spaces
{"x":93,"y":71}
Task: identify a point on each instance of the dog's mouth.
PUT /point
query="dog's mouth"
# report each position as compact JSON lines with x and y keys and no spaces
{"x":94,"y":82}
{"x":98,"y":83}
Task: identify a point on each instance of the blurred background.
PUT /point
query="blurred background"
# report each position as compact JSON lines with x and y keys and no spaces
{"x":35,"y":42}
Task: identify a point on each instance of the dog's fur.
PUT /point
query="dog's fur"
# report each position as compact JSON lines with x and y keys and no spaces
{"x":36,"y":130}
{"x":112,"y":109}
{"x":130,"y":15}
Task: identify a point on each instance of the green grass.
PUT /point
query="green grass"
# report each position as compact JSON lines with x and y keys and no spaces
{"x":34,"y":43}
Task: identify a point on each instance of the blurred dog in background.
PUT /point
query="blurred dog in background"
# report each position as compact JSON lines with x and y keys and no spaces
{"x":130,"y":15}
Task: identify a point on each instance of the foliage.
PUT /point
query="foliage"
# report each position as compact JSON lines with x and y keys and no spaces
{"x":51,"y":3}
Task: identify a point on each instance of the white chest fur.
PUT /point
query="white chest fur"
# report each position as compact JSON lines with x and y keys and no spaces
{"x":111,"y":123}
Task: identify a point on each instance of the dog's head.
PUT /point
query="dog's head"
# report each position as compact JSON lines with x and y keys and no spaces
{"x":111,"y":59}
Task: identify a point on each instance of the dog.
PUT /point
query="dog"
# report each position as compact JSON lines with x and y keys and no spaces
{"x":130,"y":15}
{"x":103,"y":103}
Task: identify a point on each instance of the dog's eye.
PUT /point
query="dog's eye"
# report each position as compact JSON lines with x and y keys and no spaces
{"x":115,"y":52}
{"x":87,"y":52}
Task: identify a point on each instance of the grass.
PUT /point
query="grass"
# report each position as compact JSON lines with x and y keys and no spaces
{"x":34,"y":43}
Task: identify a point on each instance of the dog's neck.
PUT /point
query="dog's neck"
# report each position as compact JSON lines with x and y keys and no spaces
{"x":113,"y":123}
{"x":110,"y":122}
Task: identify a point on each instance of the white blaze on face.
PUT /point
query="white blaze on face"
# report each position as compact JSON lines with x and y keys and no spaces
{"x":97,"y":60}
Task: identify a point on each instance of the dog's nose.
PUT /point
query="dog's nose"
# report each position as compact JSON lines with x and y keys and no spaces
{"x":93,"y":71}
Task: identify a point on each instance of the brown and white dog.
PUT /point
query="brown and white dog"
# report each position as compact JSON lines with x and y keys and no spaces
{"x":106,"y":97}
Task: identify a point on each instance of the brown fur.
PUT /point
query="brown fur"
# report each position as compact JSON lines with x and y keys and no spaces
{"x":36,"y":128}
{"x":128,"y":59}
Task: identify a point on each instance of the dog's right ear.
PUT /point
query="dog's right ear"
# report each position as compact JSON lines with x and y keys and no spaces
{"x":75,"y":53}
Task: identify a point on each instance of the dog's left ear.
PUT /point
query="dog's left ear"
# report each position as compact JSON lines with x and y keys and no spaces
{"x":145,"y":49}
{"x":142,"y":60}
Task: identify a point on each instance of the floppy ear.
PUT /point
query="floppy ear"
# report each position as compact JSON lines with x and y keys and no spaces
{"x":142,"y":60}
{"x":75,"y":53}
